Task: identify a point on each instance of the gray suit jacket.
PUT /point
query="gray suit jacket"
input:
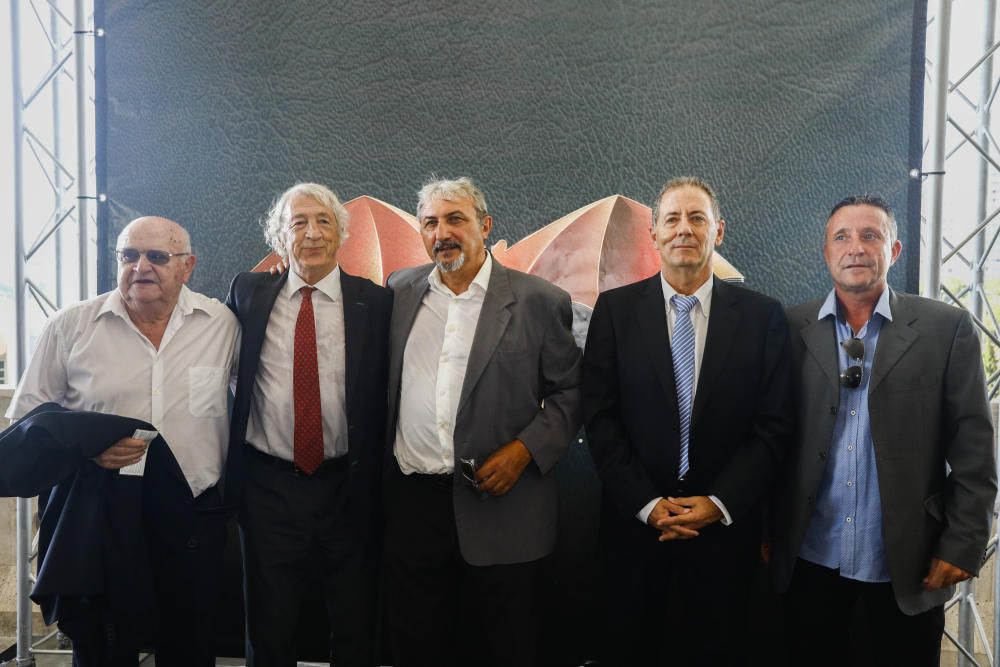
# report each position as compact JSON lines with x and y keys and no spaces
{"x":928,"y":406}
{"x":522,"y":381}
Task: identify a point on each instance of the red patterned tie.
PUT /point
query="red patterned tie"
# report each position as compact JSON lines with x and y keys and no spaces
{"x":305,"y":377}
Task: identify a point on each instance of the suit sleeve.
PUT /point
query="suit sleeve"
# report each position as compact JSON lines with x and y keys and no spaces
{"x":971,"y":486}
{"x":231,"y":297}
{"x":622,"y":474}
{"x":747,"y":478}
{"x":548,"y":435}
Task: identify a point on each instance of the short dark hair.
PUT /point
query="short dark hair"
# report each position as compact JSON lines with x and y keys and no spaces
{"x":686,"y":181}
{"x":869,"y":200}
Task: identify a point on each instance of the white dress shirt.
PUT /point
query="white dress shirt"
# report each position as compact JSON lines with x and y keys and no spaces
{"x":434,"y":363}
{"x":699,"y":320}
{"x":271,"y":427}
{"x":92,"y":357}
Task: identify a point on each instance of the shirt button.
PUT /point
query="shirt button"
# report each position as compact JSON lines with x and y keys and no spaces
{"x":849,"y":519}
{"x":854,"y":412}
{"x":850,"y":448}
{"x":850,"y":484}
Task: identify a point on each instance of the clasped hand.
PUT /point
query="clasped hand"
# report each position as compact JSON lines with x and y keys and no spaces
{"x":682,"y":518}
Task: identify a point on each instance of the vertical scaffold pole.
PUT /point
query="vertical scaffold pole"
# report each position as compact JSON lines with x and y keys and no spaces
{"x":939,"y":118}
{"x":23,"y":512}
{"x":80,"y":34}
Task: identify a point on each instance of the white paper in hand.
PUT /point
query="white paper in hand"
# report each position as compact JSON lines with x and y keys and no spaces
{"x":139,"y":467}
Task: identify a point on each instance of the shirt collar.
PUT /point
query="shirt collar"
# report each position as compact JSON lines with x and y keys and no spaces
{"x":703,"y":293}
{"x":481,"y":282}
{"x":829,"y":307}
{"x":115,"y":304}
{"x":329,"y":285}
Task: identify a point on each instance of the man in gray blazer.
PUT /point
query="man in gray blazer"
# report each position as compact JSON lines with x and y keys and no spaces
{"x":483,"y":401}
{"x":888,"y":500}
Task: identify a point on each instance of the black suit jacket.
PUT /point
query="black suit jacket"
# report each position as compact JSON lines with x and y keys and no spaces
{"x":367,"y":309}
{"x":95,"y":523}
{"x":741,"y":419}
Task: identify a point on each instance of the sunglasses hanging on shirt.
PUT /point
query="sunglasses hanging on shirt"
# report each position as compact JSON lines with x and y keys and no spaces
{"x":852,"y":376}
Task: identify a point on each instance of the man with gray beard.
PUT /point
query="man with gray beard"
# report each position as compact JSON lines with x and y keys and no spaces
{"x":483,"y":401}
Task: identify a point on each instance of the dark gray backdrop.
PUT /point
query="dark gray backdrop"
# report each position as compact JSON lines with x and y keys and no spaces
{"x":209,"y":109}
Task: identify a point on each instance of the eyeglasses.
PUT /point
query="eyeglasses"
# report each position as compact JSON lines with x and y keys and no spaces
{"x":158,"y":257}
{"x":855,"y":348}
{"x":469,"y":471}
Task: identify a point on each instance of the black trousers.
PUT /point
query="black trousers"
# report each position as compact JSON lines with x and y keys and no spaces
{"x":820,"y":605}
{"x":291,"y":523}
{"x":185,"y":573}
{"x":443,"y":612}
{"x":679,"y":603}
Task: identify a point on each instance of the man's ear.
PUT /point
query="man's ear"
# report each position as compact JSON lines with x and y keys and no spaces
{"x":189,"y":265}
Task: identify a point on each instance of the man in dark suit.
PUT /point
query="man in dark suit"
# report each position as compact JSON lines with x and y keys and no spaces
{"x":483,"y":401}
{"x":892,"y":478}
{"x":686,"y":388}
{"x":310,"y":408}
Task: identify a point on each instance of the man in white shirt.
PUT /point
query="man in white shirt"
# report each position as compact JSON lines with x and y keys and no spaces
{"x":483,"y":401}
{"x":308,"y":433}
{"x":686,"y":390}
{"x":156,"y":351}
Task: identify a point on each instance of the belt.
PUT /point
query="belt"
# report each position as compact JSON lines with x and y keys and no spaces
{"x":329,"y":465}
{"x":427,"y":479}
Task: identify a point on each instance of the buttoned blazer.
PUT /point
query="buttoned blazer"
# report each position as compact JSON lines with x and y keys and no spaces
{"x":740,"y":424}
{"x":367,"y":309}
{"x":929,"y":411}
{"x":522,"y":381}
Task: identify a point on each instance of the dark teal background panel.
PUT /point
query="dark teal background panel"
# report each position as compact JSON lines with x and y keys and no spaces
{"x":213,"y":108}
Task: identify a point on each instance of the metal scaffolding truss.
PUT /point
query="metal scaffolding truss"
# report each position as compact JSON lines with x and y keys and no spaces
{"x":960,"y":149}
{"x":958,"y":125}
{"x":52,"y":131}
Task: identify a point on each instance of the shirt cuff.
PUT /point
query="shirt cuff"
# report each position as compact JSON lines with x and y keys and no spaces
{"x":726,"y":519}
{"x":643,"y":514}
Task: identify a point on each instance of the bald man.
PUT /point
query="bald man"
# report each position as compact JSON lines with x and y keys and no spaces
{"x":152,"y":350}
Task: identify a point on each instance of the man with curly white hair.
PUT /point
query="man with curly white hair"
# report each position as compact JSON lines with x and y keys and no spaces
{"x":308,"y":423}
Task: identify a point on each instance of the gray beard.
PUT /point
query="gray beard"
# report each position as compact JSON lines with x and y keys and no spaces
{"x":448,"y":267}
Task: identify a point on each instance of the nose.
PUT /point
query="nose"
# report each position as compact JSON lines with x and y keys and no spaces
{"x":684,"y":227}
{"x":856,"y":247}
{"x":142,"y":264}
{"x":312,"y":230}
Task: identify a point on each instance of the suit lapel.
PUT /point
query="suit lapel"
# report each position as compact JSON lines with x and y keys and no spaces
{"x":406,"y":302}
{"x":255,"y":323}
{"x":493,"y":319}
{"x":652,"y":316}
{"x":820,"y":338}
{"x":894,"y":339}
{"x":722,"y":327}
{"x":355,"y":332}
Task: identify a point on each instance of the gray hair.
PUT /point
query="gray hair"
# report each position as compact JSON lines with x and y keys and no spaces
{"x":452,"y":190}
{"x":682,"y":182}
{"x":874,"y":201}
{"x":275,"y":221}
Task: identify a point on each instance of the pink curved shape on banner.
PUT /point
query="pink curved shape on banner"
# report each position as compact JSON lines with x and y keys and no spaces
{"x":602,"y":245}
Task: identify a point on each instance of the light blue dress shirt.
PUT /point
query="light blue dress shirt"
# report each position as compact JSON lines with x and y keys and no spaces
{"x":845,"y":530}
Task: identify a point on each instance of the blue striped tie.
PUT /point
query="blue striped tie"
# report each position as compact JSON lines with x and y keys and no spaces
{"x":682,"y":346}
